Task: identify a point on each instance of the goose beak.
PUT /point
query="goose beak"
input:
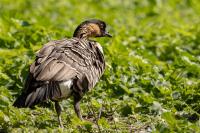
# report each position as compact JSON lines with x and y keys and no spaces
{"x":107,"y":34}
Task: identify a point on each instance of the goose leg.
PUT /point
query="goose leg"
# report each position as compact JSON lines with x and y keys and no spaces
{"x":58,"y":111}
{"x":77,"y":100}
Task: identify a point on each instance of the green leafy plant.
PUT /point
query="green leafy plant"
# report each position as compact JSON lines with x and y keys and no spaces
{"x":151,"y":82}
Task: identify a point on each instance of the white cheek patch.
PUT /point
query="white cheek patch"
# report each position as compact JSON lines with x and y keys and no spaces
{"x":65,"y":88}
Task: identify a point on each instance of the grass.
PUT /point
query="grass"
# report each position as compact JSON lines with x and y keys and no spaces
{"x":152,"y":77}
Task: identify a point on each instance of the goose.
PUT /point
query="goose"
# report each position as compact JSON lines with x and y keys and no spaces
{"x":65,"y":68}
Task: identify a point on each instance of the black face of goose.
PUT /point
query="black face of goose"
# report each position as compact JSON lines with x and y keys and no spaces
{"x":91,"y":28}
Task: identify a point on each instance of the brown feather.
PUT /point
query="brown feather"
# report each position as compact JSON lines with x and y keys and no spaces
{"x":74,"y":59}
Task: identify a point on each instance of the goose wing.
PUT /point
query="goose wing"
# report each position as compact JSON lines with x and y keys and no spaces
{"x":52,"y":62}
{"x":67,"y":59}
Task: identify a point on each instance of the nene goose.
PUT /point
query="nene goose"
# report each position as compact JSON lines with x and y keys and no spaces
{"x":64,"y":68}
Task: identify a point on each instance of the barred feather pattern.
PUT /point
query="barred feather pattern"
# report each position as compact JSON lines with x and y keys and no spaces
{"x":79,"y":60}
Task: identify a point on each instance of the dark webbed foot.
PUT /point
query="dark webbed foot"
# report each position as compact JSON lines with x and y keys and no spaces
{"x":58,"y":110}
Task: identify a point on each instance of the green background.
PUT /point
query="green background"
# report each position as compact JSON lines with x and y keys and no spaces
{"x":152,"y":78}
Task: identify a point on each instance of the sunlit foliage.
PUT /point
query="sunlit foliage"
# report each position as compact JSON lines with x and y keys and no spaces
{"x":152,"y":79}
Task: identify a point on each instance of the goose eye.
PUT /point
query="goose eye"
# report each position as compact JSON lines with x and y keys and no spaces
{"x":101,"y":26}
